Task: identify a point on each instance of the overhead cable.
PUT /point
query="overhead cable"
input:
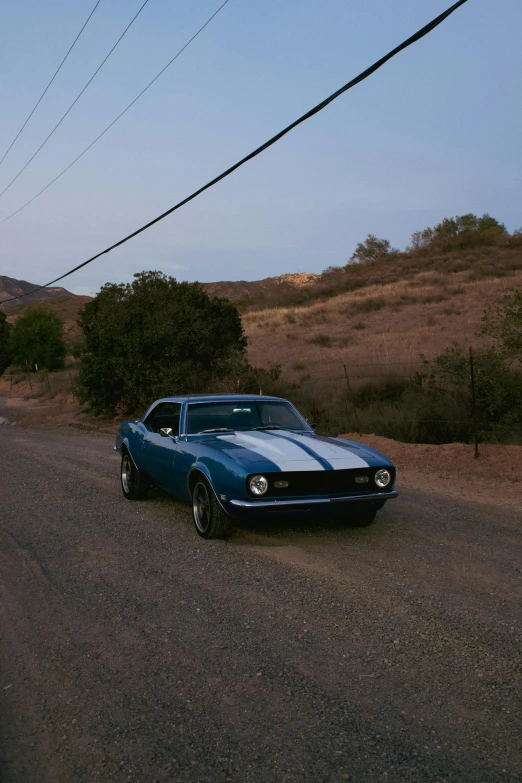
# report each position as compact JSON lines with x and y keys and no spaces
{"x":98,"y":69}
{"x":320,"y":106}
{"x":117,"y":118}
{"x":52,"y":80}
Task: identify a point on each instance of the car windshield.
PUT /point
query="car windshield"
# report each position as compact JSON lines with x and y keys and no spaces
{"x":242,"y":415}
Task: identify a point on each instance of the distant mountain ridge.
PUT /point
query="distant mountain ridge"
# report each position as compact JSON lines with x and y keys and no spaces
{"x":231,"y":289}
{"x":10,"y":286}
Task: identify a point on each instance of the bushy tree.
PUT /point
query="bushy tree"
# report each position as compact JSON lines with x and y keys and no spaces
{"x":154,"y":337}
{"x":459,"y":232}
{"x":37,"y":340}
{"x":498,"y":385}
{"x":504,"y":323}
{"x":5,"y":342}
{"x":373,"y":249}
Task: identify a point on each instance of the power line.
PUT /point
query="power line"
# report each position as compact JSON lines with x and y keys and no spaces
{"x":76,"y":99}
{"x":52,"y":80}
{"x":320,"y":106}
{"x":117,"y":118}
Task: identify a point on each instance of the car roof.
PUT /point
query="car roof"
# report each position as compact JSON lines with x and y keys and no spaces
{"x":218,"y":398}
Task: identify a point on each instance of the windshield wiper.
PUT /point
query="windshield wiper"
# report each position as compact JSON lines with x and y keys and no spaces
{"x":215,"y":429}
{"x":268,"y":427}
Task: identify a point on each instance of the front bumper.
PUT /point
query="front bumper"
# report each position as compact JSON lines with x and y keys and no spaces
{"x":270,"y":505}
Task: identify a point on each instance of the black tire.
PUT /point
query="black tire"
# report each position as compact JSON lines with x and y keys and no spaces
{"x":209,"y":518}
{"x":364,"y":518}
{"x":134,"y":485}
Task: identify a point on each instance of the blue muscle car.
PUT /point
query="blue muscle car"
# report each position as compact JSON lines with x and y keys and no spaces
{"x":237,"y":454}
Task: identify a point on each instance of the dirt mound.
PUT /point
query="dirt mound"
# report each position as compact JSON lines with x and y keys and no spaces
{"x":495,"y":477}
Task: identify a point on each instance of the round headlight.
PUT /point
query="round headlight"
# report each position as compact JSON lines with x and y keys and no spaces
{"x":258,"y":485}
{"x":382,"y":478}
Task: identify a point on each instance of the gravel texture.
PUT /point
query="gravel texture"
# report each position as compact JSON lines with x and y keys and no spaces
{"x":301,"y":650}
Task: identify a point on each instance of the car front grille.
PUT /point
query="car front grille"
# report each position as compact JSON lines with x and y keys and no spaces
{"x":324,"y":482}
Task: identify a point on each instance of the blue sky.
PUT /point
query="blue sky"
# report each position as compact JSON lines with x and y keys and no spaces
{"x":436,"y":132}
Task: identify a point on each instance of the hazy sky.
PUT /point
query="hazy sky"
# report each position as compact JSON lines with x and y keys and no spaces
{"x":436,"y":132}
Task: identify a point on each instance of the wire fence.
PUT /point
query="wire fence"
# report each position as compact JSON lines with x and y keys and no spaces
{"x":393,"y":399}
{"x":417,"y":401}
{"x":42,"y":383}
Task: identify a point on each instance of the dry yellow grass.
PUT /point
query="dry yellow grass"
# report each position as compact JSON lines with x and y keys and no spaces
{"x":380,"y":325}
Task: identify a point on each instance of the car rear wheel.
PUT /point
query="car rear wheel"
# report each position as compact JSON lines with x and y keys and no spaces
{"x":209,"y":518}
{"x":135,"y":485}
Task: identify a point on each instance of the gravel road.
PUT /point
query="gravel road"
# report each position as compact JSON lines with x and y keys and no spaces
{"x":301,"y":651}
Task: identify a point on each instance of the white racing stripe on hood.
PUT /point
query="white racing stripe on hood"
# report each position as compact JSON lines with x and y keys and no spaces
{"x":332,"y":452}
{"x":285,"y":451}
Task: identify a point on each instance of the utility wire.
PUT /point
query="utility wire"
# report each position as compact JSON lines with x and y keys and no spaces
{"x":52,"y":80}
{"x":320,"y":106}
{"x":117,"y":118}
{"x":76,"y":99}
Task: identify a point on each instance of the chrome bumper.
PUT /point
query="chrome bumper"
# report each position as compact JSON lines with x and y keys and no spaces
{"x":313,"y":501}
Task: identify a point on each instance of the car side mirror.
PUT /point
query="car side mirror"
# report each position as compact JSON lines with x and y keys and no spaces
{"x":166,"y":431}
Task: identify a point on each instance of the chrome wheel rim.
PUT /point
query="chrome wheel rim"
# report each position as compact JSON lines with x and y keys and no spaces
{"x":126,"y":474}
{"x":201,"y":507}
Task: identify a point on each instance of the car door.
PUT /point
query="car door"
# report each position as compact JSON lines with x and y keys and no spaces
{"x":159,"y":450}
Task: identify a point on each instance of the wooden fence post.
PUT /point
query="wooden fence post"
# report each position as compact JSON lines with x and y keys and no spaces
{"x":473,"y":401}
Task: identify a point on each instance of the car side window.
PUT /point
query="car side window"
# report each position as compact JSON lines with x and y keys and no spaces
{"x":166,"y":414}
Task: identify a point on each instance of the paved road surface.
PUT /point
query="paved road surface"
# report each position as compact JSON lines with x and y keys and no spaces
{"x":131,"y":650}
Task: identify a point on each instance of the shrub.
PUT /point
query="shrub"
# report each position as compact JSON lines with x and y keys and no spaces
{"x":373,"y":249}
{"x":5,"y":342}
{"x":37,"y":340}
{"x":322,"y":339}
{"x":433,"y":405}
{"x":155,"y":337}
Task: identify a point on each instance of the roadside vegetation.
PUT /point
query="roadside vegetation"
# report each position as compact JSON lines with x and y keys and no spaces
{"x":156,"y":337}
{"x":36,"y":341}
{"x":435,"y":403}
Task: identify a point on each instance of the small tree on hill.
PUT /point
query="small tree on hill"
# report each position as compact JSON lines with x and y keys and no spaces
{"x":5,"y":342}
{"x":154,"y":337}
{"x":373,"y":249}
{"x":37,"y":340}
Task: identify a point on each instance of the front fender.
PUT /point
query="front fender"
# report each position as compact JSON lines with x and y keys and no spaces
{"x":227,"y":478}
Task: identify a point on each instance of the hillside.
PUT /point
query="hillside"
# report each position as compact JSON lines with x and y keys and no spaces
{"x":9,"y":286}
{"x":260,"y":290}
{"x":371,"y":317}
{"x":375,"y":317}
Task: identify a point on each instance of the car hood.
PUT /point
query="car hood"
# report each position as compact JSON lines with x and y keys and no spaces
{"x":283,"y":450}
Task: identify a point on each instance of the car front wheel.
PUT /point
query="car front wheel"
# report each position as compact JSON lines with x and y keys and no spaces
{"x":209,"y":518}
{"x":135,"y":485}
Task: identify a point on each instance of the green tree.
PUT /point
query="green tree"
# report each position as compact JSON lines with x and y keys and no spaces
{"x":154,"y":337}
{"x":459,"y":233}
{"x":373,"y":249}
{"x":5,"y":342}
{"x":504,"y":323}
{"x":37,"y":340}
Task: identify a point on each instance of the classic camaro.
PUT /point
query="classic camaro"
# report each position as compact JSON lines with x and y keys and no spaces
{"x":241,"y":454}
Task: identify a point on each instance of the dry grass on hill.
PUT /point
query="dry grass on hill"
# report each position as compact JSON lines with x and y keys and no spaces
{"x":381,"y":324}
